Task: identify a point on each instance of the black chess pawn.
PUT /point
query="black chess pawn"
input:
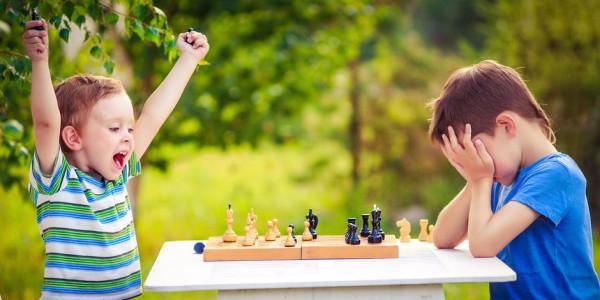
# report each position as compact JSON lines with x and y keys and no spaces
{"x":365,"y":232}
{"x":35,"y":17}
{"x":353,"y":240}
{"x":293,"y":235}
{"x":313,"y":220}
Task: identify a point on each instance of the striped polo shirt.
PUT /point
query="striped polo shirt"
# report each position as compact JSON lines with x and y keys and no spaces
{"x":88,"y":232}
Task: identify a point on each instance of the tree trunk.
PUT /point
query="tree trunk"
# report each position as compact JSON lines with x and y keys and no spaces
{"x":355,"y":121}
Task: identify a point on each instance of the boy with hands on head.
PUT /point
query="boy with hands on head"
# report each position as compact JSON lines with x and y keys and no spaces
{"x":87,"y":147}
{"x":523,"y":200}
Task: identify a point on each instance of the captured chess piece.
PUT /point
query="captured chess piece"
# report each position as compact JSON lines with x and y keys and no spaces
{"x":404,"y":227}
{"x":306,"y":235}
{"x":314,"y":222}
{"x":365,"y":232}
{"x":36,"y":17}
{"x":423,"y":230}
{"x":276,"y":228}
{"x":290,"y":241}
{"x":229,"y":235}
{"x":430,"y":236}
{"x":270,"y":235}
{"x":347,"y":234}
{"x":376,"y":236}
{"x":249,"y":239}
{"x":352,"y":236}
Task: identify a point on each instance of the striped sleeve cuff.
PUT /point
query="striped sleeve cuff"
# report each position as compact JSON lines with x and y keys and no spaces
{"x":48,"y":184}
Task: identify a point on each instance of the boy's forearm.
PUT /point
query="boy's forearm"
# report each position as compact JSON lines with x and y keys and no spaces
{"x":44,"y":107}
{"x":480,"y":215}
{"x":451,"y":224}
{"x":163,"y":100}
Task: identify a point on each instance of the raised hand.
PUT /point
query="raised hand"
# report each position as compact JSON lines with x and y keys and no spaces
{"x":193,"y":43}
{"x":36,"y":41}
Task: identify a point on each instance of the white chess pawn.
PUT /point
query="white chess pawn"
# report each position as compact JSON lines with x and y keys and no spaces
{"x":270,"y":235}
{"x":276,"y":228}
{"x":430,"y":236}
{"x":306,"y":235}
{"x":248,"y":239}
{"x":289,"y":241}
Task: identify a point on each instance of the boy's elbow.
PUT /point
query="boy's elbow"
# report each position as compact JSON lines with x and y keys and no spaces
{"x":481,"y":250}
{"x":442,"y":243}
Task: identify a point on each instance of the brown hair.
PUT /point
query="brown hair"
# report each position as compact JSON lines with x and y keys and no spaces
{"x":477,"y":95}
{"x":77,"y":95}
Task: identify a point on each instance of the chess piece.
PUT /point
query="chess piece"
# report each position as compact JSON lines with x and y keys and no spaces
{"x":270,"y":235}
{"x":314,"y":222}
{"x":276,"y":228}
{"x":376,"y":236}
{"x":290,"y":241}
{"x":36,"y":17}
{"x":293,"y":235}
{"x":352,"y":238}
{"x":229,"y":235}
{"x":253,"y":219}
{"x":249,"y":239}
{"x":404,"y":227}
{"x":423,"y":232}
{"x":347,"y":234}
{"x":365,"y":232}
{"x":307,"y":236}
{"x":430,"y":236}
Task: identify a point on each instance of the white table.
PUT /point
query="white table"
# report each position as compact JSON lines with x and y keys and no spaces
{"x":418,"y":273}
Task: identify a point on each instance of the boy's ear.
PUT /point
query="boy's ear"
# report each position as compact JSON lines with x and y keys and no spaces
{"x":507,"y":123}
{"x":71,"y":138}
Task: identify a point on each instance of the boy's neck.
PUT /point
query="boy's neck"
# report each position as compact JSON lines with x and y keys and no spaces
{"x":77,"y":159}
{"x":535,"y":146}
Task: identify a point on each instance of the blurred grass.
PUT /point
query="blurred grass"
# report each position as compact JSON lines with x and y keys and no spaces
{"x":189,"y":202}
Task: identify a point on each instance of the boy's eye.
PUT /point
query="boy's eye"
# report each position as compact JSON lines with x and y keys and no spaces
{"x":114,"y":129}
{"x":130,"y":130}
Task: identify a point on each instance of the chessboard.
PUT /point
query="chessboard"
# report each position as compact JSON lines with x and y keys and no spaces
{"x":324,"y":247}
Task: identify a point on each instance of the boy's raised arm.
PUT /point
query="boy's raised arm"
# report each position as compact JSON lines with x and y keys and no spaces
{"x":193,"y":47}
{"x":44,"y":106}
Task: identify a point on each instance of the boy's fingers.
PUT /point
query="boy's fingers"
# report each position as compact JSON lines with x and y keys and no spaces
{"x":32,"y":33}
{"x":31,"y":24}
{"x":34,"y":40}
{"x":482,"y":151}
{"x":453,"y":140}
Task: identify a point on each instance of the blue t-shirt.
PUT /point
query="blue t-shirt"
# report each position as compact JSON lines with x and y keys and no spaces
{"x":553,"y":257}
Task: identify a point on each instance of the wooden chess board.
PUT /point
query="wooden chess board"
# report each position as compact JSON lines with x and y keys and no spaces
{"x":324,"y":247}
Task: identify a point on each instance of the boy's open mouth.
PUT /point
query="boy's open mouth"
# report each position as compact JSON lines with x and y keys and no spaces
{"x":119,"y":159}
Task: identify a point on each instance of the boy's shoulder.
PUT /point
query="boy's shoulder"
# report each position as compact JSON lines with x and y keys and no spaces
{"x":557,"y":167}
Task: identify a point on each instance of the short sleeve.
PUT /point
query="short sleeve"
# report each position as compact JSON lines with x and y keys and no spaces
{"x":48,"y":184}
{"x":546,"y":191}
{"x":133,"y":167}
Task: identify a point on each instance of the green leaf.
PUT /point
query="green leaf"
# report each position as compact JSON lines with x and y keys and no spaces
{"x":64,"y":34}
{"x":13,"y":130}
{"x":109,"y":66}
{"x":96,"y":52}
{"x":112,"y":18}
{"x":159,"y":12}
{"x":80,"y":20}
{"x":138,"y":28}
{"x":153,"y":35}
{"x":94,"y":11}
{"x":203,"y":63}
{"x":68,"y":8}
{"x":55,"y":20}
{"x":141,"y":11}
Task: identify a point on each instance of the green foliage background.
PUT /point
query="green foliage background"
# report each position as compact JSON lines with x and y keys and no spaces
{"x":315,"y":104}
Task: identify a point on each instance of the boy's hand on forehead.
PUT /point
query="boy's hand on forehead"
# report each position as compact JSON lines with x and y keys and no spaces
{"x":35,"y":40}
{"x":193,"y":43}
{"x":470,"y":159}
